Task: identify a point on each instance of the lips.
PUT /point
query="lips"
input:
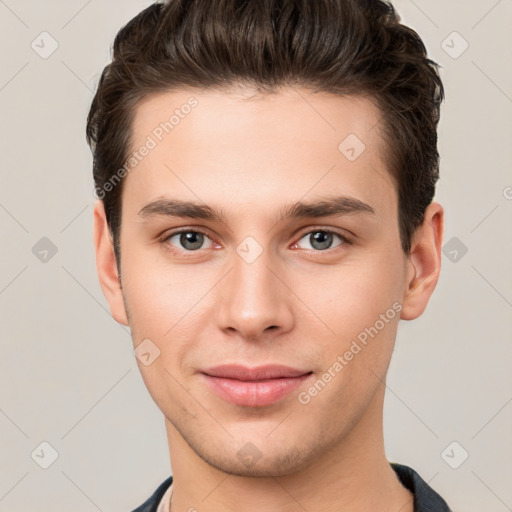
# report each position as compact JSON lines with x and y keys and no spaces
{"x":254,"y":387}
{"x":269,"y":371}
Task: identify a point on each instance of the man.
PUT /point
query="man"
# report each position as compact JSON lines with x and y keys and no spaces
{"x":265,"y":172}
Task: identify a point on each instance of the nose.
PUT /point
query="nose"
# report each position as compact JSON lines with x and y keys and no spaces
{"x":254,"y":302}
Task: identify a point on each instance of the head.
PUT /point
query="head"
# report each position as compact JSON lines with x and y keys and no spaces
{"x":297,"y":144}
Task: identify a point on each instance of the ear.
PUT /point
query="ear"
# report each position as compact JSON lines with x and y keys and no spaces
{"x":106,"y":265}
{"x":423,"y":262}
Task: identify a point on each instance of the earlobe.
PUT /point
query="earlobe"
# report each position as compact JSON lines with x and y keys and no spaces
{"x":106,"y":265}
{"x":424,"y":263}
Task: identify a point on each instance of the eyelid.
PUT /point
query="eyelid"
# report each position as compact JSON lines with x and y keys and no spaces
{"x":187,"y":229}
{"x":312,"y":229}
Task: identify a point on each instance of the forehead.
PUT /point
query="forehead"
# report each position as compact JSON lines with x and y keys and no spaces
{"x":241,"y":148}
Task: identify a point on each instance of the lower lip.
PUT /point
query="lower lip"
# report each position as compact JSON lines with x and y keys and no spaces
{"x":254,"y":393}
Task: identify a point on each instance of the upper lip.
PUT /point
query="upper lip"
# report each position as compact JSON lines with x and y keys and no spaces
{"x":239,"y":372}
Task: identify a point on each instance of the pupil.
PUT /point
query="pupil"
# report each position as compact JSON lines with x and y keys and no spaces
{"x":191,"y":240}
{"x":321,"y":240}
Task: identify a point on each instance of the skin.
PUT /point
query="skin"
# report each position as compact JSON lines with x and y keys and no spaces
{"x":249,"y":156}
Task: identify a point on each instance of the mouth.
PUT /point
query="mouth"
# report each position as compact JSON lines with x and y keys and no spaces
{"x":254,"y":387}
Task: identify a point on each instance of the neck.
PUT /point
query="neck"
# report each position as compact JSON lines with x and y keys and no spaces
{"x":353,"y":475}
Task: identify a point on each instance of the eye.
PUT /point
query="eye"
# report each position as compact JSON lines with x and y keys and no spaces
{"x":322,"y":239}
{"x":187,"y":239}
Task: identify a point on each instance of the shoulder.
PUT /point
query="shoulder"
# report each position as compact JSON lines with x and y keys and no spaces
{"x":425,"y":498}
{"x":151,"y":504}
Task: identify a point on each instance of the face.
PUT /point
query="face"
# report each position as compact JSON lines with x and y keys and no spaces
{"x":287,"y":252}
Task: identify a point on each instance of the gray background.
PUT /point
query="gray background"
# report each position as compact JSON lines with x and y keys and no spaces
{"x":68,"y":375}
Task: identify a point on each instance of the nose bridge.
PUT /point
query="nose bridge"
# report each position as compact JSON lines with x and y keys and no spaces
{"x":253,"y":298}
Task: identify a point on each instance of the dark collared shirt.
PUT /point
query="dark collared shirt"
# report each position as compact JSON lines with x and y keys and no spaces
{"x":425,"y":498}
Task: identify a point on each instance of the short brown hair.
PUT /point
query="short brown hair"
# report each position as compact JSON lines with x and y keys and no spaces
{"x":345,"y":47}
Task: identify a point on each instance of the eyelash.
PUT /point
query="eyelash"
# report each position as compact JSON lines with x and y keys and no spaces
{"x":344,"y":239}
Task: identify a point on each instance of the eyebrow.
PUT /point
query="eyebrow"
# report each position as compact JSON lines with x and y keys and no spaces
{"x":326,"y":207}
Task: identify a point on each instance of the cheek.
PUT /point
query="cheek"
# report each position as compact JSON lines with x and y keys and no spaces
{"x":165,"y":308}
{"x":171,"y":306}
{"x":361,"y":305}
{"x":158,"y":294}
{"x":351,"y":296}
{"x":359,"y":302}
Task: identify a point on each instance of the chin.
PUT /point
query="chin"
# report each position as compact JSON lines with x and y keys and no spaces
{"x":251,"y":461}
